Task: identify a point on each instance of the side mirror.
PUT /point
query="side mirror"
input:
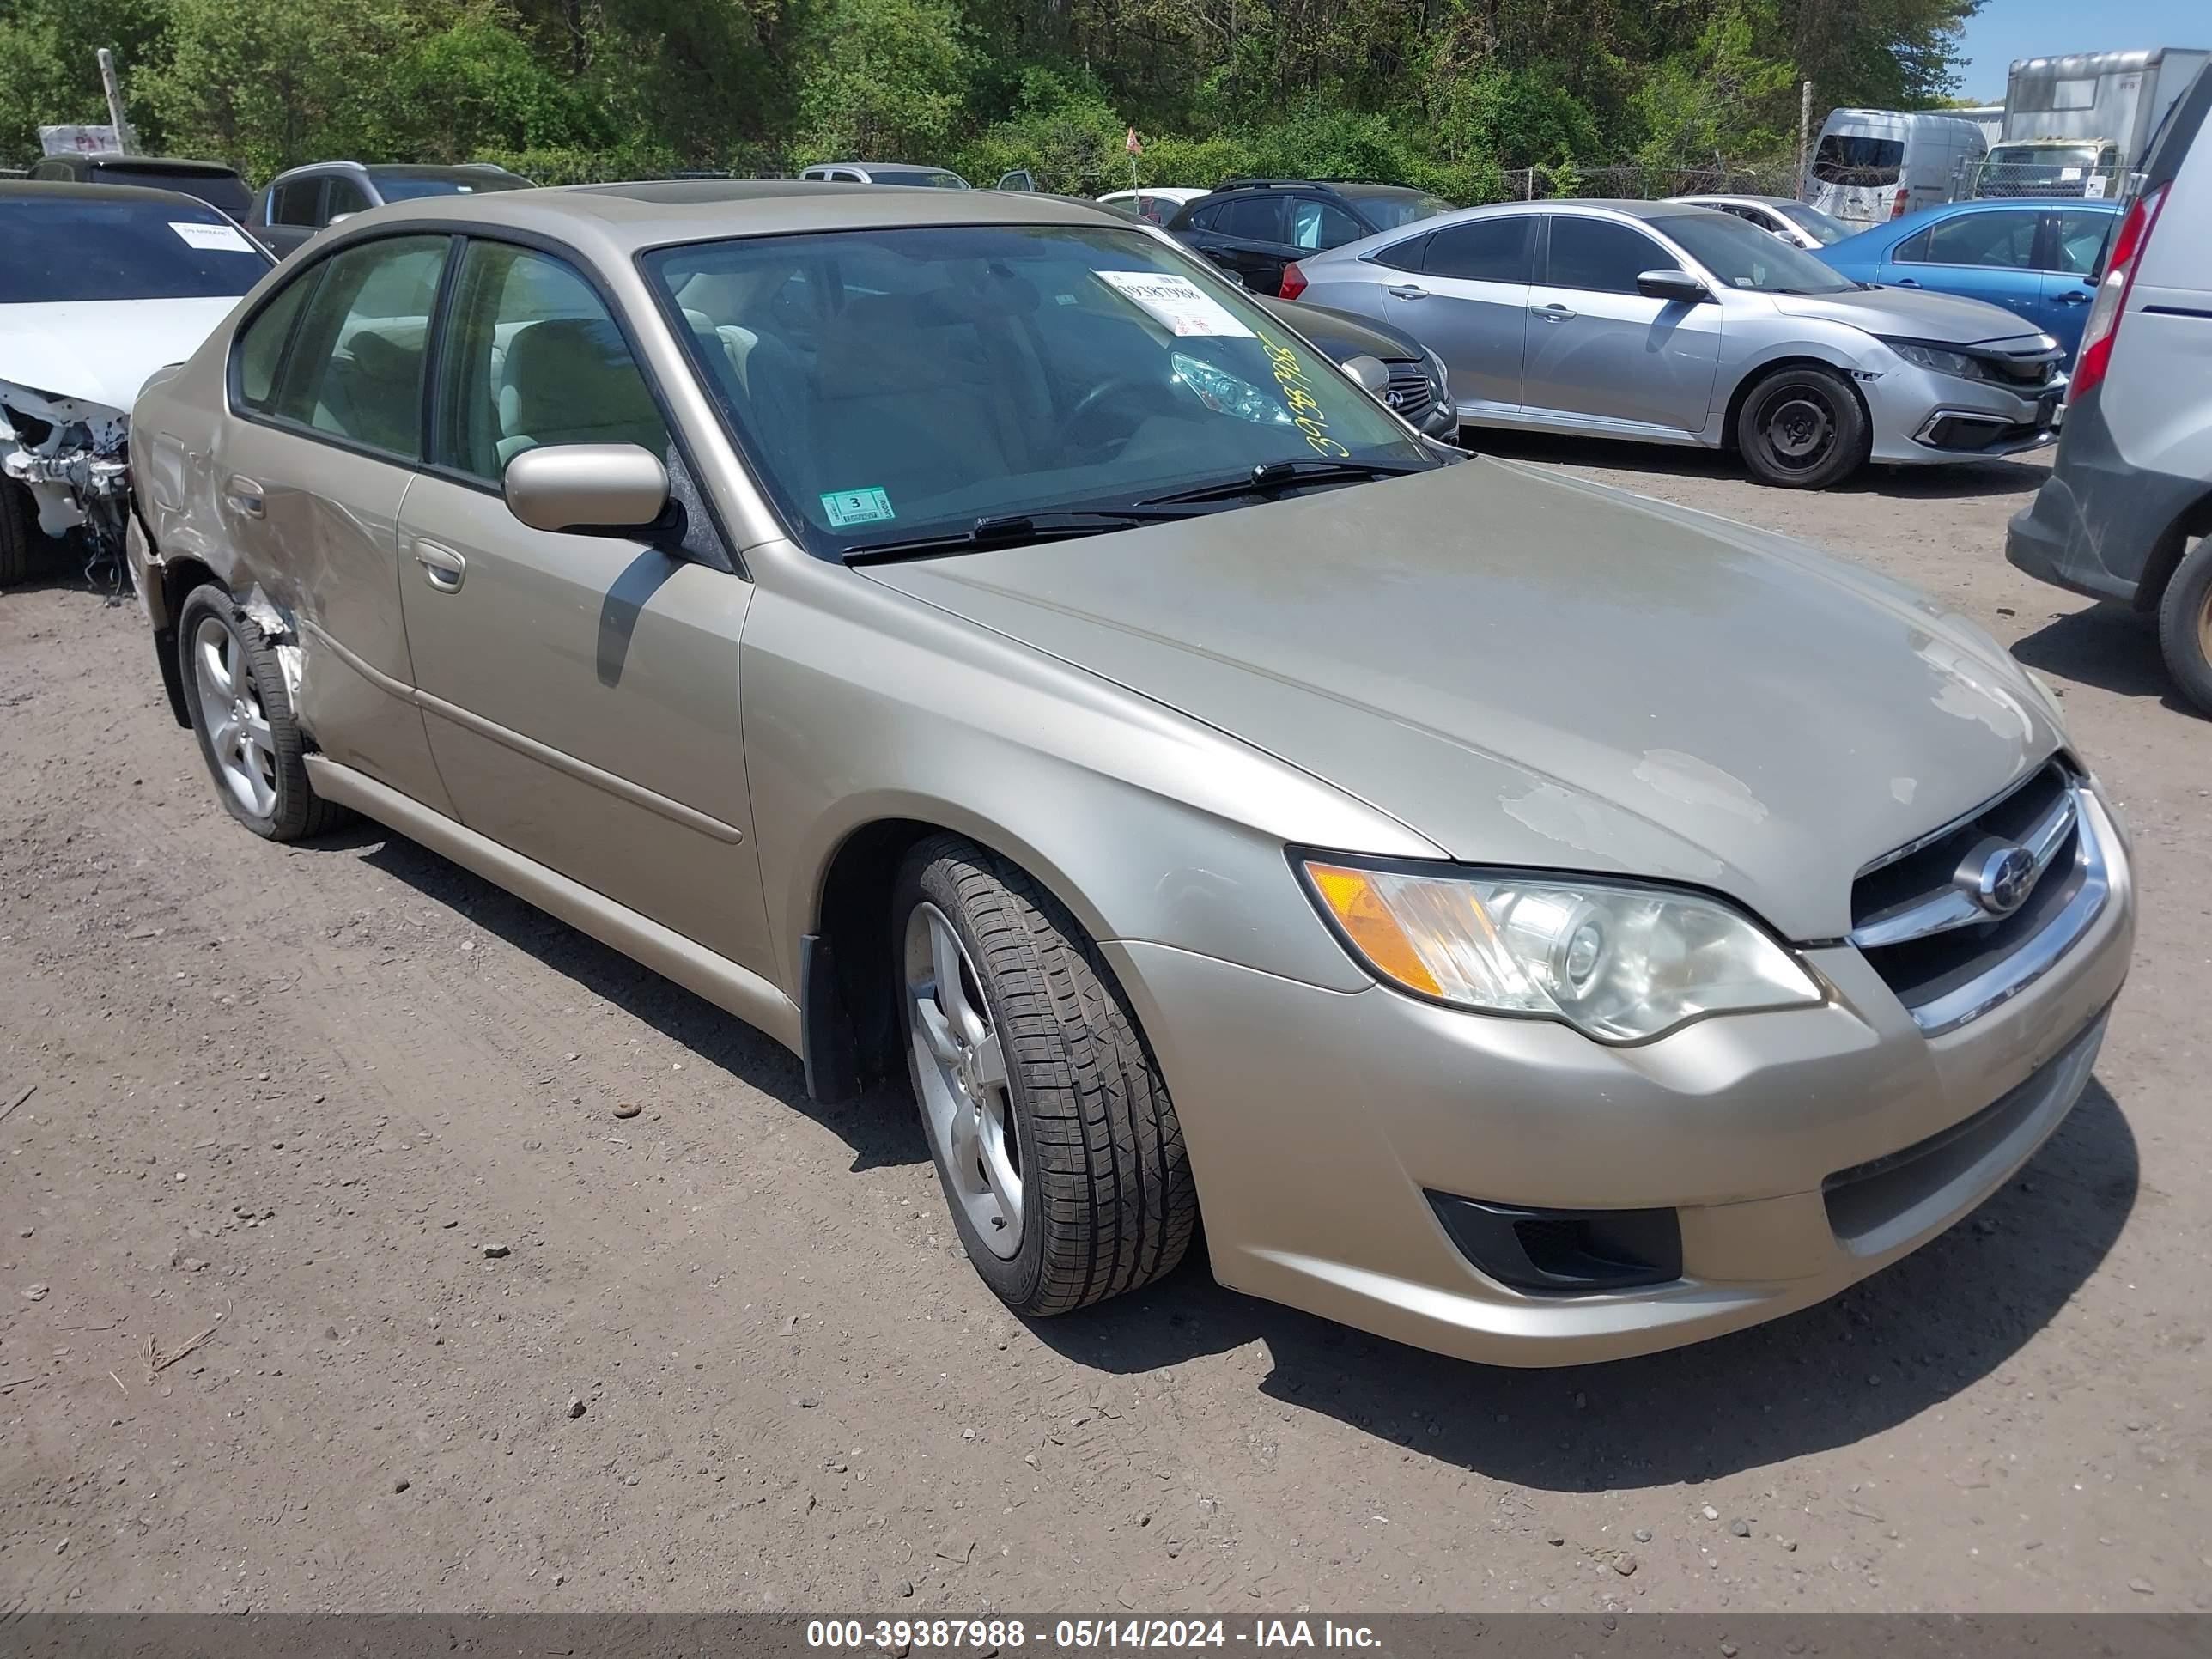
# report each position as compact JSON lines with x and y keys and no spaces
{"x":1678,"y":285}
{"x":1373,"y":376}
{"x":1233,"y":277}
{"x":340,"y":218}
{"x":588,"y":489}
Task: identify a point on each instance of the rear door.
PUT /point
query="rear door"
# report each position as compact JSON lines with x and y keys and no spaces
{"x":1595,"y":347}
{"x":1468,"y":302}
{"x":312,"y":466}
{"x":1246,"y":233}
{"x":581,"y":692}
{"x":1987,"y":255}
{"x":2073,"y":253}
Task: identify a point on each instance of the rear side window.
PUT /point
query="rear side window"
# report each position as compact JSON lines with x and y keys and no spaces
{"x":531,"y":357}
{"x":1500,"y":250}
{"x":355,"y":370}
{"x":1255,"y":218}
{"x":1315,"y":224}
{"x":1851,"y":158}
{"x":2003,"y":241}
{"x":1602,"y":257}
{"x":296,"y":202}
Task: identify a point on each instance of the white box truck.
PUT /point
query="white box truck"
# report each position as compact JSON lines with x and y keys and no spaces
{"x":2076,"y":125}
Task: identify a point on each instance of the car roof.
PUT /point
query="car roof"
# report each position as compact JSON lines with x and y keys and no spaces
{"x":903,"y":167}
{"x":620,"y":219}
{"x":1694,"y":197}
{"x":156,"y":163}
{"x":71,"y":190}
{"x":398,"y":169}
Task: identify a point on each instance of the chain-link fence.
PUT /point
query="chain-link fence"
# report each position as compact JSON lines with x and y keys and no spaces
{"x":1986,"y":180}
{"x":1652,"y":184}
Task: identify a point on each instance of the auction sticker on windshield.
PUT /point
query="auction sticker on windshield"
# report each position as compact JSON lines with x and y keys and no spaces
{"x":1176,"y":303}
{"x":846,"y":507}
{"x":219,"y":239}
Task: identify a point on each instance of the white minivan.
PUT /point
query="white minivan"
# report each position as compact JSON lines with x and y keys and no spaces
{"x":1873,"y":164}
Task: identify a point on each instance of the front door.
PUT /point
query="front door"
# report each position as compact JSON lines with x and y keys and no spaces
{"x":312,"y":476}
{"x":1469,"y":303}
{"x":2075,"y":251}
{"x":581,"y":692}
{"x":1596,"y":348}
{"x":1249,"y":236}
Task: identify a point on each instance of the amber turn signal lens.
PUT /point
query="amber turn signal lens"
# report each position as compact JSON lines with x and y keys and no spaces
{"x":1351,"y":897}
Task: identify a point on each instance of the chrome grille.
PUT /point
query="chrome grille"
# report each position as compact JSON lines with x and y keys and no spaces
{"x":1409,"y":394}
{"x":1968,"y":915}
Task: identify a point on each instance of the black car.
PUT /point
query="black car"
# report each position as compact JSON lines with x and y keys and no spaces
{"x":1419,"y":390}
{"x":1255,"y":227}
{"x":219,"y":186}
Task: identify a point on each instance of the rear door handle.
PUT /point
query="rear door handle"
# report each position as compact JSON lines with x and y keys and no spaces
{"x":1554,"y":312}
{"x":1908,"y":282}
{"x":442,"y":567}
{"x":244,"y":495}
{"x":2074,"y":297}
{"x":1407,"y":291}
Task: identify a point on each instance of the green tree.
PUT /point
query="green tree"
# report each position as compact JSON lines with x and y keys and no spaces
{"x":881,"y":80}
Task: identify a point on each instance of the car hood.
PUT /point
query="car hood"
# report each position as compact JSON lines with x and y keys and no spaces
{"x":1948,"y":317}
{"x":100,"y":351}
{"x":1534,"y":671}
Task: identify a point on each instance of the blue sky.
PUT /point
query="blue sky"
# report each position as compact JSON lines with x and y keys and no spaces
{"x":2006,"y":29}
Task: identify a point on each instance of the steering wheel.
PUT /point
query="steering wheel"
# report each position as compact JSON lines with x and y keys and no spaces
{"x":1090,"y":401}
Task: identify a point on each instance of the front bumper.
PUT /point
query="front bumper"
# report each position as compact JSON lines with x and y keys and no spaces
{"x":1921,"y":417}
{"x":1319,"y":1123}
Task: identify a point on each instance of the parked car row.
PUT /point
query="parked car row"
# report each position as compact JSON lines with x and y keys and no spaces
{"x":1161,"y":754}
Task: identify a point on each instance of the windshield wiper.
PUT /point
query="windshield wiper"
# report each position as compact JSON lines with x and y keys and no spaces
{"x":1271,"y":478}
{"x":1014,"y":530}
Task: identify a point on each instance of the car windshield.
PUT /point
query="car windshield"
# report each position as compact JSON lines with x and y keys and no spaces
{"x":928,"y":179}
{"x":2042,"y":164}
{"x":1388,"y":212}
{"x":81,"y":248}
{"x":1824,"y":227}
{"x":902,"y":383}
{"x":409,"y":186}
{"x":226,"y":191}
{"x":1741,"y":255}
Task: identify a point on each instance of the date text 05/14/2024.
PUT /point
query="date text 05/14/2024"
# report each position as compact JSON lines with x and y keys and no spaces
{"x":983,"y":1636}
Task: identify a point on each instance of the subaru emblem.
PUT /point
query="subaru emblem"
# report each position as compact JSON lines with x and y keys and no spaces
{"x":2005,"y":880}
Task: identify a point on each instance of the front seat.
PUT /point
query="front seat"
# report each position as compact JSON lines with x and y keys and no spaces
{"x":572,"y":381}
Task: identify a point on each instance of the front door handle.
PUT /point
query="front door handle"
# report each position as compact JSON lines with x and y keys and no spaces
{"x":1407,"y":291}
{"x":1908,"y":282}
{"x":1554,"y":312}
{"x":442,"y":567}
{"x":2072,"y":297}
{"x":244,"y":495}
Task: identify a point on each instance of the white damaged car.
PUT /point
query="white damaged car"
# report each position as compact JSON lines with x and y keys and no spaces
{"x":100,"y":286}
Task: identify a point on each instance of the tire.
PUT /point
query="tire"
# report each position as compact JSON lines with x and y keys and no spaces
{"x":258,"y":772}
{"x":21,"y":541}
{"x":2185,"y":625}
{"x":1076,"y":1114}
{"x":1802,"y":428}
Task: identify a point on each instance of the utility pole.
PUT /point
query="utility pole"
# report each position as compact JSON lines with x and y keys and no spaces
{"x":113,"y":88}
{"x":1804,"y":130}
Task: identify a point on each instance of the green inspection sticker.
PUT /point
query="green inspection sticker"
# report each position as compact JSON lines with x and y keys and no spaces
{"x":846,"y":507}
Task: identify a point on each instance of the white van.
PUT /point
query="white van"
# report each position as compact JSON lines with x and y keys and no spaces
{"x":1873,"y":164}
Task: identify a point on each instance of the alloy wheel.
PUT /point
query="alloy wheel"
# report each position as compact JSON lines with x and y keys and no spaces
{"x":961,"y":1075}
{"x":232,"y":715}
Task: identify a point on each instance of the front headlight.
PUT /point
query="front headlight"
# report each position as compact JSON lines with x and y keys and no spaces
{"x":1618,"y":964}
{"x":1941,"y":359}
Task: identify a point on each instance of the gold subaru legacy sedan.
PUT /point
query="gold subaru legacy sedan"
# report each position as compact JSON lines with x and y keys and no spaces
{"x":959,"y":631}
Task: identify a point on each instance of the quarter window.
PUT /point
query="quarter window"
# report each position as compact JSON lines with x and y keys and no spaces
{"x":356,"y":366}
{"x":1600,"y":256}
{"x":533,"y":357}
{"x":1498,"y":250}
{"x":261,"y":343}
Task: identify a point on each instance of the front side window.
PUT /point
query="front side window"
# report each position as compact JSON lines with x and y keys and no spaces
{"x":1603,"y":256}
{"x":1254,"y":218}
{"x":355,"y":369}
{"x":1315,"y":224}
{"x":531,"y":357}
{"x":2082,"y":237}
{"x":1495,"y":250}
{"x":81,"y":248}
{"x":2003,"y":241}
{"x":895,"y":383}
{"x":296,"y":202}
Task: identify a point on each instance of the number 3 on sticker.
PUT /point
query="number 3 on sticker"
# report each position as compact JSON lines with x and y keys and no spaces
{"x":844,"y":506}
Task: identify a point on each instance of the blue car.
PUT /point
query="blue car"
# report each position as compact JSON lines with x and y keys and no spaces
{"x":2038,"y":259}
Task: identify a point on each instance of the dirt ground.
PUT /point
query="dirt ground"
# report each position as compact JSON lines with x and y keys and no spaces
{"x":346,"y":1117}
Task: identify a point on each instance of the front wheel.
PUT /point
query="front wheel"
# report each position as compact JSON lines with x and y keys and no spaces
{"x":2185,"y":625}
{"x":241,"y":710}
{"x":1055,"y":1141}
{"x":1802,"y":428}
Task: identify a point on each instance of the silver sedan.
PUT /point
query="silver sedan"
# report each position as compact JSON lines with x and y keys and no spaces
{"x":1679,"y":324}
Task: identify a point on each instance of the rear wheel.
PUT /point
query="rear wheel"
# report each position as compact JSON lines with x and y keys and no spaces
{"x":1055,"y":1141}
{"x":1802,"y":428}
{"x":241,"y":711}
{"x":2185,"y":625}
